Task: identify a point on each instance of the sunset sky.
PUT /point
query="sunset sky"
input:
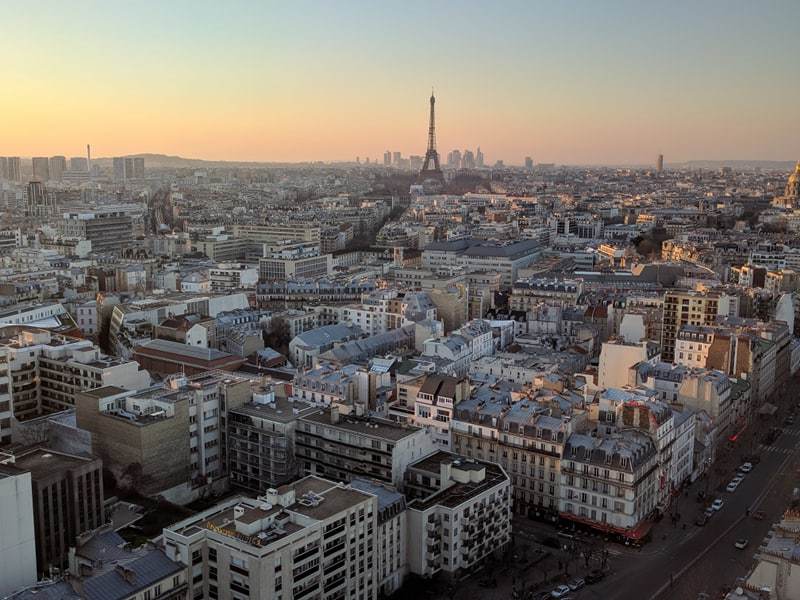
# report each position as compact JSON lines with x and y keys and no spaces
{"x":572,"y":82}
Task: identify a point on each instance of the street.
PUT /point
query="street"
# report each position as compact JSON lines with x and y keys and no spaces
{"x":682,"y":559}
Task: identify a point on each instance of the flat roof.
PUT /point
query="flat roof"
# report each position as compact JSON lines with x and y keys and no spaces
{"x":42,"y":462}
{"x":373,"y":427}
{"x":180,"y":349}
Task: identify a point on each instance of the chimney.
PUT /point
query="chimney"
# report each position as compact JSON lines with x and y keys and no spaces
{"x":445,"y":472}
{"x":334,"y":415}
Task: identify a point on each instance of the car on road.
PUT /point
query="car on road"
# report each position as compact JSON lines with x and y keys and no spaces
{"x":717,"y":504}
{"x":576,"y":584}
{"x":746,"y":467}
{"x":595,"y":576}
{"x":731,"y":487}
{"x":741,"y":544}
{"x":561,"y":591}
{"x":709,"y":512}
{"x":701,"y":520}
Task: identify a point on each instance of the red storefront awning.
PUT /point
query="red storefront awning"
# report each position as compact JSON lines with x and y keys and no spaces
{"x":635,"y":533}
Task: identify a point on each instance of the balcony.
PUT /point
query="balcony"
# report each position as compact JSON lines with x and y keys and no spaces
{"x":435,"y":527}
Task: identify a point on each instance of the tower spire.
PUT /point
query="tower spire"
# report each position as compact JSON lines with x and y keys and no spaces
{"x":430,"y":168}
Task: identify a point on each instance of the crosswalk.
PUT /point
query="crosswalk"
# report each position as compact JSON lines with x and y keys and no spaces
{"x":794,"y":431}
{"x":775,"y":449}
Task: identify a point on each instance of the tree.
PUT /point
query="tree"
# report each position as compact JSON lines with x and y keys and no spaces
{"x":278,"y":335}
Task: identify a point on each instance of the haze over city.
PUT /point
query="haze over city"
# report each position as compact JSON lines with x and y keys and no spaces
{"x":573,"y":83}
{"x":404,"y":300}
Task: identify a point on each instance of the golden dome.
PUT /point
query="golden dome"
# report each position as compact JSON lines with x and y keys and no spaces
{"x":796,"y":175}
{"x":793,"y":185}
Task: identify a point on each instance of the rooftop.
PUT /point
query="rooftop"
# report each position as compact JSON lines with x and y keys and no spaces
{"x":373,"y":427}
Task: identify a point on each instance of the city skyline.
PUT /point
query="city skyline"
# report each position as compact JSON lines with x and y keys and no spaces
{"x":585,"y":84}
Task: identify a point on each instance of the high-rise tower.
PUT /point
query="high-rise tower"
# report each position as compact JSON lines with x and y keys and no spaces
{"x":430,"y":168}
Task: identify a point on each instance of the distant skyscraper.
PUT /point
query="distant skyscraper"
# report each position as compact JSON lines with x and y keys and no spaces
{"x":14,"y":168}
{"x":78,"y":163}
{"x":39,"y":202}
{"x":396,"y":157}
{"x":3,"y":168}
{"x":468,"y":162}
{"x":454,"y":159}
{"x":41,"y":168}
{"x":128,"y":167}
{"x":660,"y":163}
{"x":119,"y":168}
{"x":58,"y":164}
{"x":387,"y":159}
{"x":479,"y":158}
{"x":138,"y":167}
{"x":529,"y":163}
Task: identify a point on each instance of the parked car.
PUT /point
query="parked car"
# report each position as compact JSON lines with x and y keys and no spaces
{"x":741,"y":544}
{"x":701,"y":520}
{"x":560,"y":592}
{"x":717,"y":504}
{"x":576,"y":584}
{"x":746,"y":467}
{"x":731,"y":487}
{"x":709,"y":512}
{"x":595,"y":576}
{"x":738,"y":479}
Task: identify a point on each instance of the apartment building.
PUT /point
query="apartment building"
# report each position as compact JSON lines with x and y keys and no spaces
{"x":392,"y":534}
{"x":295,"y":261}
{"x":174,"y":432}
{"x":276,"y":233}
{"x":618,"y":357}
{"x":610,"y":483}
{"x":309,"y":539}
{"x":109,"y":230}
{"x":688,"y":308}
{"x":43,"y":372}
{"x":459,"y":513}
{"x":435,"y":404}
{"x":346,"y":447}
{"x":328,"y":386}
{"x":223,"y":248}
{"x":529,"y":293}
{"x":524,"y":438}
{"x":227,"y":277}
{"x":261,"y":441}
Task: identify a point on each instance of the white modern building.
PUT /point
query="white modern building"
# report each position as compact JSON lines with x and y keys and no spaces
{"x":17,"y":537}
{"x":309,"y":539}
{"x":459,"y":513}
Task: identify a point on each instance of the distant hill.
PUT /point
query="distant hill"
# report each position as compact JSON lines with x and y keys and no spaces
{"x":778,"y":165}
{"x":164,"y":161}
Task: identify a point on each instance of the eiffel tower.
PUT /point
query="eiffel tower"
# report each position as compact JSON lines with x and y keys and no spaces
{"x":430,"y":168}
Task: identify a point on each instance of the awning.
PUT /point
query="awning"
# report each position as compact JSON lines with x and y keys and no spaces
{"x":634,"y":533}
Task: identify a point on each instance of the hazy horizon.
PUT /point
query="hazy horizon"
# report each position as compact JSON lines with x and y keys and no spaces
{"x":581,"y":84}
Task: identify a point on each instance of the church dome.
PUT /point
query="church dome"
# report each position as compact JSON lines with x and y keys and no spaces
{"x":793,"y":185}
